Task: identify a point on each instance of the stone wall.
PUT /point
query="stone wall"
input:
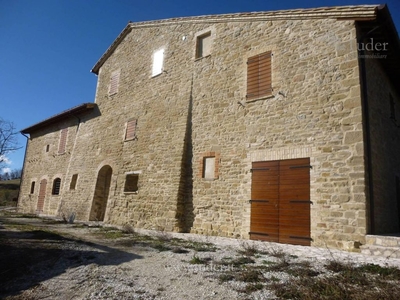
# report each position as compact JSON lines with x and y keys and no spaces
{"x":197,"y":107}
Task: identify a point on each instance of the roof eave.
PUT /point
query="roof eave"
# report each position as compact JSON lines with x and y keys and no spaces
{"x":59,"y":117}
{"x":358,"y":12}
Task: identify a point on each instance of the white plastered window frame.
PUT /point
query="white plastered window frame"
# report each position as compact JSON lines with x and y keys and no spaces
{"x":158,"y":62}
{"x":208,"y":32}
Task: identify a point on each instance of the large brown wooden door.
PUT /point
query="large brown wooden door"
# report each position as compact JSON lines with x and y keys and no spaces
{"x":280,"y":201}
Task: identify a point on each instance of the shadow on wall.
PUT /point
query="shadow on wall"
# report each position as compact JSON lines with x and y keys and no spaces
{"x":184,"y":210}
{"x":30,"y":257}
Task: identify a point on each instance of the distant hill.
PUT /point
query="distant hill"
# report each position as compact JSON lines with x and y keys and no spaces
{"x":9,"y":190}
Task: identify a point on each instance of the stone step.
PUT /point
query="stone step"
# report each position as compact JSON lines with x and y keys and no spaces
{"x":388,"y":252}
{"x":383,"y":240}
{"x":382,"y":245}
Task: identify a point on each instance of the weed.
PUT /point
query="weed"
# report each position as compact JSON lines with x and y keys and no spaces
{"x":243,"y":260}
{"x":226,"y":277}
{"x":160,"y":246}
{"x":248,"y":249}
{"x":198,"y":260}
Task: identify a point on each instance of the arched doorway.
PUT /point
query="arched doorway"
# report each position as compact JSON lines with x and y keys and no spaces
{"x":101,"y":192}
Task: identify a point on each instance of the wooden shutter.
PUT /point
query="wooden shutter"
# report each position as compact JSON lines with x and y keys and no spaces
{"x":131,"y":130}
{"x":63,"y":141}
{"x":42,"y":195}
{"x":259,"y":76}
{"x":114,"y":82}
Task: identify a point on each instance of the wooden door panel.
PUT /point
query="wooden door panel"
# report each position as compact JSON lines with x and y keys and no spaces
{"x":284,"y":215}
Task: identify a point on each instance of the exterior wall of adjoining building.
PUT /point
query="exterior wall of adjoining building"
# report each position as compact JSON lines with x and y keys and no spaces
{"x":384,"y":120}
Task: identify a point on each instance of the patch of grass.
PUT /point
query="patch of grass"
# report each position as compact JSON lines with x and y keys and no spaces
{"x":160,"y":246}
{"x":201,"y":247}
{"x":198,"y":260}
{"x":113,"y":234}
{"x":249,"y":275}
{"x":243,"y":260}
{"x":385,"y":272}
{"x":226,"y":277}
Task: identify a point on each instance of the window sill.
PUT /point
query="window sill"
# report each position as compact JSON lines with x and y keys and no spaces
{"x":131,"y":193}
{"x":209,"y":179}
{"x":200,"y":58}
{"x":265,"y":97}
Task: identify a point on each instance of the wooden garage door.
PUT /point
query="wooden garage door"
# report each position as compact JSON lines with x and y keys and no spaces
{"x":280,"y":201}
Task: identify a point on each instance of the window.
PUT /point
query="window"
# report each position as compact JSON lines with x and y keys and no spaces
{"x":33,"y":187}
{"x":56,"y":186}
{"x":47,"y":148}
{"x":259,"y":76}
{"x":63,"y":140}
{"x":158,"y":60}
{"x":131,"y":183}
{"x":130,"y":132}
{"x":74,"y":179}
{"x":209,"y":165}
{"x":203,"y":45}
{"x":114,"y":82}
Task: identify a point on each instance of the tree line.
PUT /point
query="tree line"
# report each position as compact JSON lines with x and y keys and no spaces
{"x":14,"y":174}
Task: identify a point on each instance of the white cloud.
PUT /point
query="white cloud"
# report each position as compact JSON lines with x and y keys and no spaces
{"x":5,"y":160}
{"x":6,"y":170}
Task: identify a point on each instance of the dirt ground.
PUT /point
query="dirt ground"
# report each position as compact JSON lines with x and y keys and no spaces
{"x":50,"y":259}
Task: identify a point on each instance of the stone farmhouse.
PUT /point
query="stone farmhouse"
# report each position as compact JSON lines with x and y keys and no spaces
{"x":280,"y":126}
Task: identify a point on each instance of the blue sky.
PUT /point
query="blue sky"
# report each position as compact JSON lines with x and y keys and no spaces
{"x":48,"y":47}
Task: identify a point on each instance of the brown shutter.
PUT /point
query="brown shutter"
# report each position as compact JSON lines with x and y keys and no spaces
{"x":63,"y":141}
{"x":114,"y":82}
{"x":259,"y":76}
{"x":131,"y":130}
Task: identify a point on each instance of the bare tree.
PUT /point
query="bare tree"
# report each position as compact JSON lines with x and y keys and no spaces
{"x":8,"y":139}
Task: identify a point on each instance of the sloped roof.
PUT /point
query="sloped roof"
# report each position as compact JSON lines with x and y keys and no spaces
{"x":79,"y":109}
{"x":358,"y":13}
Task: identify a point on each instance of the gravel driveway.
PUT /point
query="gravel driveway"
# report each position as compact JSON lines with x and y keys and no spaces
{"x":48,"y":259}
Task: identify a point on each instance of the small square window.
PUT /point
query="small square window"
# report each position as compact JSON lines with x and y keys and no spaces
{"x":203,"y":45}
{"x":131,"y":183}
{"x":74,"y":179}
